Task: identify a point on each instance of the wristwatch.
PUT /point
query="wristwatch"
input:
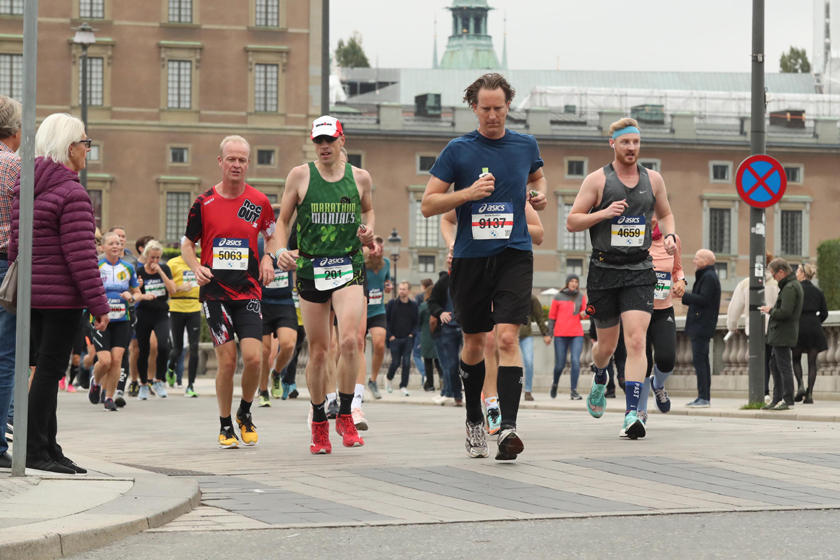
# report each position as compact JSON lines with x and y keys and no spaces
{"x":278,"y":253}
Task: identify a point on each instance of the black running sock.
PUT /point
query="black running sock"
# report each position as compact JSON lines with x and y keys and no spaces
{"x":509,"y":385}
{"x":345,"y":401}
{"x":244,"y":408}
{"x":226,"y":422}
{"x":74,"y":371}
{"x":319,"y":412}
{"x":473,"y":377}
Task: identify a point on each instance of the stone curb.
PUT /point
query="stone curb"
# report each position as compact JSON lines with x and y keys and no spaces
{"x":153,"y":500}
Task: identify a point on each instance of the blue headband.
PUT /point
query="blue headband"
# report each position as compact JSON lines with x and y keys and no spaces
{"x":626,"y":130}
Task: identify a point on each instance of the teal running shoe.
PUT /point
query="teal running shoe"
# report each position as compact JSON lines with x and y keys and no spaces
{"x":634,"y":426}
{"x":287,"y":388}
{"x":596,"y":402}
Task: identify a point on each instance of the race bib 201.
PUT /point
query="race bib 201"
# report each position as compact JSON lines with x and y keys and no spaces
{"x":332,"y":272}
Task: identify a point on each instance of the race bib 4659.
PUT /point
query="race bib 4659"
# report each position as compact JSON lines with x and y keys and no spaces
{"x":627,"y":231}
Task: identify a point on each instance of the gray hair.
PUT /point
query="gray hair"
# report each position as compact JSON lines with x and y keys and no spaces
{"x":235,"y":138}
{"x":56,"y":134}
{"x":11,"y":117}
{"x":778,"y":264}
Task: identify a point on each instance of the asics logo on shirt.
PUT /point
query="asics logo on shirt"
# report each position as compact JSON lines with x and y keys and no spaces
{"x":629,"y":220}
{"x":249,"y":211}
{"x":491,"y":208}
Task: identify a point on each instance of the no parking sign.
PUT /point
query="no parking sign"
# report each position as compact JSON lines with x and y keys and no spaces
{"x":761,"y":181}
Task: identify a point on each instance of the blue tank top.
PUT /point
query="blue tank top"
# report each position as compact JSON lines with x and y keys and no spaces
{"x":376,"y":289}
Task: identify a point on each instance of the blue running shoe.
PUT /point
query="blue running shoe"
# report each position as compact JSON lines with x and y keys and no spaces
{"x":634,"y":426}
{"x":663,"y":403}
{"x":287,"y":388}
{"x":596,"y":402}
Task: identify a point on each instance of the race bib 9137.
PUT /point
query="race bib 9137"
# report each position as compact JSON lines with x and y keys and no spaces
{"x":230,"y":254}
{"x":332,"y":272}
{"x":492,"y":220}
{"x":663,"y":285}
{"x":627,"y":231}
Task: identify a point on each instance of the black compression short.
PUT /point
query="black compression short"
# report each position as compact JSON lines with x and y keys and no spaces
{"x":116,"y":335}
{"x":376,"y":321}
{"x":226,"y":318}
{"x":487,"y":291}
{"x":613,"y":291}
{"x":278,"y":315}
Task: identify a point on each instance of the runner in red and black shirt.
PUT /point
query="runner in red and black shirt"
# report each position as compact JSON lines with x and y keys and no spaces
{"x":227,"y":220}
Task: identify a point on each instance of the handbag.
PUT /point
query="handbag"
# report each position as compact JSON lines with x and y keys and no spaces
{"x":8,"y":290}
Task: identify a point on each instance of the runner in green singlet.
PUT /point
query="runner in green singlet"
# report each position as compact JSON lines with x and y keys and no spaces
{"x":334,"y":219}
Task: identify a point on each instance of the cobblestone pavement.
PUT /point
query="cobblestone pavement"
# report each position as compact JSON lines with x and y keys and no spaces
{"x":413,"y":468}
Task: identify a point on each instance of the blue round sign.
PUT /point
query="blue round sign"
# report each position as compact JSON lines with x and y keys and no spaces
{"x":761,"y":181}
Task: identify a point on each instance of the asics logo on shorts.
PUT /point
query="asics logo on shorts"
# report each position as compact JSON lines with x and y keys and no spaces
{"x":254,"y":305}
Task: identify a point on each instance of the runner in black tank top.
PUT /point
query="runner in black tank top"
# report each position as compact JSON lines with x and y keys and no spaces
{"x":616,"y":203}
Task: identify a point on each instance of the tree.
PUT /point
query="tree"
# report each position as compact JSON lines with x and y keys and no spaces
{"x":351,"y":54}
{"x":794,"y":61}
{"x":828,"y":265}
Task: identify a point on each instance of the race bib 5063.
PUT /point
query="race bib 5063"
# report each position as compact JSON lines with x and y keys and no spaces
{"x":492,"y":220}
{"x":627,"y":231}
{"x":230,"y":254}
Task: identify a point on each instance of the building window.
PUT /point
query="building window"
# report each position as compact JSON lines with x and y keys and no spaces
{"x":11,"y":76}
{"x":575,"y":168}
{"x":572,"y":241}
{"x":94,"y":154}
{"x":652,"y":164}
{"x":179,"y":88}
{"x":426,"y":230}
{"x":720,"y":171}
{"x":791,"y":232}
{"x":794,"y":173}
{"x":92,"y":9}
{"x":355,"y":160}
{"x":722,"y":270}
{"x":11,"y":7}
{"x":265,"y":88}
{"x":720,"y":223}
{"x":425,"y":163}
{"x":574,"y":266}
{"x":95,"y":74}
{"x":179,"y":155}
{"x":177,"y":208}
{"x":180,"y":11}
{"x":96,"y":202}
{"x":272,"y":198}
{"x":265,"y":157}
{"x":426,"y":263}
{"x":268,"y":13}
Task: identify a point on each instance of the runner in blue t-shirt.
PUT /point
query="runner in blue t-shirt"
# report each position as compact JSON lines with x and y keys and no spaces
{"x":121,"y":288}
{"x":494,"y":172}
{"x":378,"y":270}
{"x":279,"y":321}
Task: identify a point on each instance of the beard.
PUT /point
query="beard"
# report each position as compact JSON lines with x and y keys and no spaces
{"x":375,"y":263}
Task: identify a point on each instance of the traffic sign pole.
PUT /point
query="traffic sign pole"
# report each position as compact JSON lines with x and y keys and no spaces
{"x":757,"y":215}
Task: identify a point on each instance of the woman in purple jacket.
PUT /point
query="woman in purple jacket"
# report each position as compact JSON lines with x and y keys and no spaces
{"x":65,"y":277}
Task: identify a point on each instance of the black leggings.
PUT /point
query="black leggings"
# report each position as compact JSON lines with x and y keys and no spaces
{"x":812,"y":366}
{"x":662,"y":341}
{"x":191,"y":322}
{"x":149,"y":321}
{"x":288,"y":374}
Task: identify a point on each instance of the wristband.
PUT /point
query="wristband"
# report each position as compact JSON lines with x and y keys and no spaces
{"x":278,"y":253}
{"x":672,"y":235}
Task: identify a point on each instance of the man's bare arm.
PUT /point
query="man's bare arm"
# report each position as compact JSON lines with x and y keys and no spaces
{"x":537,"y":182}
{"x":449,"y":227}
{"x":662,"y":209}
{"x":436,"y":199}
{"x":580,"y":218}
{"x":535,"y":227}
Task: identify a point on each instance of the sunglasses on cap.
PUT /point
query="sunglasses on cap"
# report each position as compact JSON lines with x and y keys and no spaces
{"x":327,"y":139}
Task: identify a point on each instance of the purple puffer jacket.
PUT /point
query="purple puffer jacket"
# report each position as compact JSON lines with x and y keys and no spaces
{"x":65,"y":268}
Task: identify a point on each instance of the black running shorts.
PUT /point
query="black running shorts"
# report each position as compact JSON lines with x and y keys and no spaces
{"x":487,"y":291}
{"x":376,"y":321}
{"x":612,"y":291}
{"x":278,"y":315}
{"x":306,"y":288}
{"x":226,"y":318}
{"x":117,"y":335}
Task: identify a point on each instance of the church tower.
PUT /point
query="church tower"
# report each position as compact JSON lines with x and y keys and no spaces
{"x":470,"y":46}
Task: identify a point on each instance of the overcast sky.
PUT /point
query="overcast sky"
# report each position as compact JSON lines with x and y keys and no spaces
{"x":712,"y":35}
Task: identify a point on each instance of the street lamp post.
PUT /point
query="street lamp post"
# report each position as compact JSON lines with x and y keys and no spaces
{"x":84,"y":38}
{"x":394,"y":241}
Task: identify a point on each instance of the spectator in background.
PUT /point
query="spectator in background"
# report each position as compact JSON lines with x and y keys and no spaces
{"x":61,"y":287}
{"x":427,"y":345}
{"x":526,"y":342}
{"x":401,"y":318}
{"x":811,"y":338}
{"x":783,"y":333}
{"x":700,"y":323}
{"x":739,"y":305}
{"x":419,"y":362}
{"x":448,"y":337}
{"x":10,"y":125}
{"x":567,"y":309}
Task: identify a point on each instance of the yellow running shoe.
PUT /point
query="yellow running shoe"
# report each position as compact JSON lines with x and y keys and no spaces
{"x":247,"y":430}
{"x":227,"y":438}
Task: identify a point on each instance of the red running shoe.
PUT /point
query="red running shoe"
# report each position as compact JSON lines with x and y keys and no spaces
{"x":346,"y":428}
{"x":320,"y":444}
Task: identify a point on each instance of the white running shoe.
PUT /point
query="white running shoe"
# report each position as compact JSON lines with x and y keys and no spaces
{"x":388,"y":386}
{"x":404,"y":391}
{"x":359,"y":419}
